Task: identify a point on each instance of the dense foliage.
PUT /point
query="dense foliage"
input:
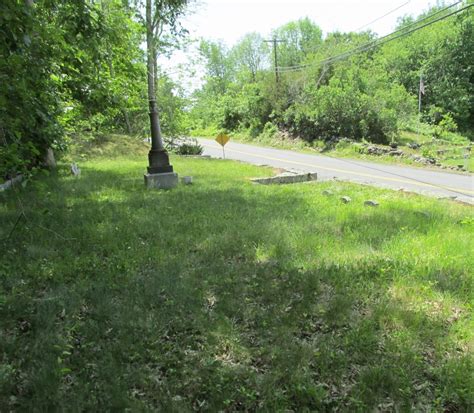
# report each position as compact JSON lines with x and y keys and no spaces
{"x":68,"y":67}
{"x":368,"y":95}
{"x":72,"y":67}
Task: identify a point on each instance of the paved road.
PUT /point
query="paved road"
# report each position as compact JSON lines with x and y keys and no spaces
{"x":441,"y":184}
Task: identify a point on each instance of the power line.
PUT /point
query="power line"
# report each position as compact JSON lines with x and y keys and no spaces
{"x":385,"y":39}
{"x":381,"y":17}
{"x":382,"y":40}
{"x":390,"y":34}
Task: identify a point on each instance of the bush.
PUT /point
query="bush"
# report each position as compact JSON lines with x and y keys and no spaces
{"x":16,"y":159}
{"x":335,"y":111}
{"x":448,"y":123}
{"x":189,"y":149}
{"x":434,"y":115}
{"x":269,"y":132}
{"x":445,"y":125}
{"x":184,"y":147}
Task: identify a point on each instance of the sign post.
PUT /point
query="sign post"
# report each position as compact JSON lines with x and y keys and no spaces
{"x":222,"y":139}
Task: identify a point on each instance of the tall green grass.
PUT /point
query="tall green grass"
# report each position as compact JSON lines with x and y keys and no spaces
{"x":224,"y":295}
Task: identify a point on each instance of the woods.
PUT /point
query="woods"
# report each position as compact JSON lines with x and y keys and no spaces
{"x":80,"y":67}
{"x":71,"y":67}
{"x":351,"y":85}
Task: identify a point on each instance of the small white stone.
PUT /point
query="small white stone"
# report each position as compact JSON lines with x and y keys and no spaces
{"x":187,"y":180}
{"x":50,"y":159}
{"x":75,"y":170}
{"x":371,"y":203}
{"x":346,"y":199}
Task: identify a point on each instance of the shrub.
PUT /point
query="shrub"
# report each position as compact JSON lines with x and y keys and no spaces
{"x":189,"y":149}
{"x":448,"y":123}
{"x":445,"y":125}
{"x":335,"y":111}
{"x":185,"y":147}
{"x":269,"y":132}
{"x":16,"y":159}
{"x":434,"y":115}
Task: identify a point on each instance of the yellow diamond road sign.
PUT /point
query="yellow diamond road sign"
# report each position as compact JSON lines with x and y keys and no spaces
{"x":222,"y":139}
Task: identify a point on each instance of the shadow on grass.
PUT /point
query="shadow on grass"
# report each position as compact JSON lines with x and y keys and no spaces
{"x":199,"y":299}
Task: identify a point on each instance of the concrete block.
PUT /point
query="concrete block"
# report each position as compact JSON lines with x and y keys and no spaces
{"x":287,"y":178}
{"x":8,"y":184}
{"x":187,"y":180}
{"x":50,"y":160}
{"x":165,"y":180}
{"x":75,"y":170}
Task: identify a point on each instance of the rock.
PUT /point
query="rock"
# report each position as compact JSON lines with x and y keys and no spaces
{"x":414,"y":145}
{"x":11,"y":182}
{"x":421,"y":159}
{"x":292,"y":172}
{"x":327,"y":192}
{"x":75,"y":170}
{"x":371,"y":203}
{"x":397,"y":152}
{"x":187,"y":180}
{"x":166,"y":180}
{"x":346,"y":199}
{"x":377,"y":150}
{"x":49,"y":159}
{"x":287,"y":178}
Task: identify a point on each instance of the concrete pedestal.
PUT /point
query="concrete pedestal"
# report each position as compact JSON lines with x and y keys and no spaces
{"x":165,"y":180}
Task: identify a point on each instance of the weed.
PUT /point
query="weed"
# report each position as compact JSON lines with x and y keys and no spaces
{"x":226,"y":295}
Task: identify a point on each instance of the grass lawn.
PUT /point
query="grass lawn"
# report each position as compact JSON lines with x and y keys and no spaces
{"x":225,"y":296}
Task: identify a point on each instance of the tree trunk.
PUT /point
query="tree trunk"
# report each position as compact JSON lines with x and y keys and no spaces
{"x":157,"y":157}
{"x":156,"y":140}
{"x":127,"y":121}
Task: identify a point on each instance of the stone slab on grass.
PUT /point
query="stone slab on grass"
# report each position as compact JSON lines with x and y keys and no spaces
{"x":289,"y":177}
{"x":11,"y":182}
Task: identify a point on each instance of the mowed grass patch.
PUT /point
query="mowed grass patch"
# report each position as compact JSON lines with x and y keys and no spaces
{"x":225,"y":295}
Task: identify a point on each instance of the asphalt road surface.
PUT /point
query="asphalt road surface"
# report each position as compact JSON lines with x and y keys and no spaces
{"x":427,"y":182}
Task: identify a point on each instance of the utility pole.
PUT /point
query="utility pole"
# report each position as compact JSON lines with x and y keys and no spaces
{"x":275,"y":55}
{"x":421,"y":92}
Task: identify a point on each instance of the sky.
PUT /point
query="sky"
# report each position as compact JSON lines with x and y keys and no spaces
{"x":230,"y":20}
